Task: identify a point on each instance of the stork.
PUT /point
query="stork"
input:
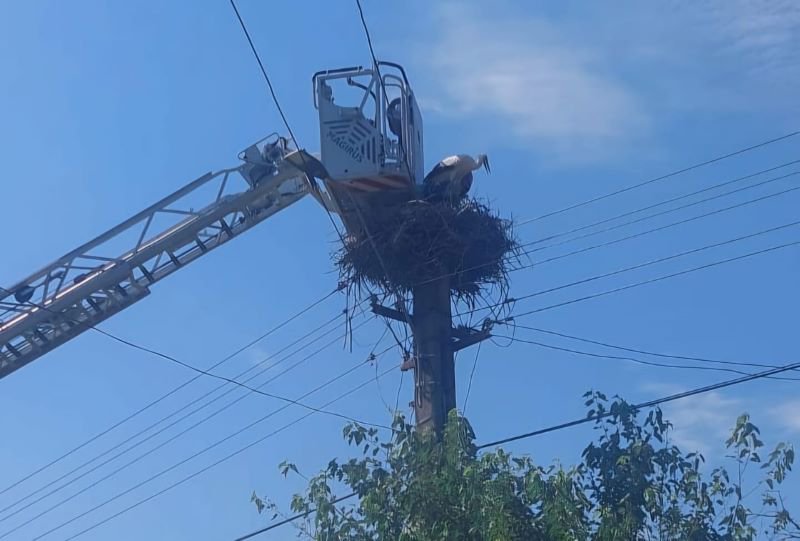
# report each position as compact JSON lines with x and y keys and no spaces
{"x":451,"y":178}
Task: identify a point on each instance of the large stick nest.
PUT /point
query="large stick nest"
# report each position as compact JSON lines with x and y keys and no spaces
{"x":417,"y":241}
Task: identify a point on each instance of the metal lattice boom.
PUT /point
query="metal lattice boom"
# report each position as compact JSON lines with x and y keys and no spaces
{"x":93,"y":282}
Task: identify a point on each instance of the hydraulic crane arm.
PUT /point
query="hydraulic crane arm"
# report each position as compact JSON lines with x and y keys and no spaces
{"x":116,"y":269}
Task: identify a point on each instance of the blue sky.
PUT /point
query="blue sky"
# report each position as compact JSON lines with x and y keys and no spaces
{"x":107,"y":106}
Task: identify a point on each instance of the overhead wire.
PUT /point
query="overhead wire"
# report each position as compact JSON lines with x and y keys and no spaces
{"x":653,"y":280}
{"x":216,"y":376}
{"x":135,"y":460}
{"x":309,"y":180}
{"x":292,"y":518}
{"x":216,"y":412}
{"x":660,"y":178}
{"x":400,"y":301}
{"x":654,"y":230}
{"x":166,"y":395}
{"x":215,"y":463}
{"x":179,"y":419}
{"x":664,"y":202}
{"x":668,"y":211}
{"x":636,"y":267}
{"x":643,"y":351}
{"x":635,"y":359}
{"x":647,"y":404}
{"x":471,"y":376}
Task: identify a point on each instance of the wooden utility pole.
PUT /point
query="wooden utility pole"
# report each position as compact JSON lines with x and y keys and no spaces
{"x":435,"y":342}
{"x":434,"y":374}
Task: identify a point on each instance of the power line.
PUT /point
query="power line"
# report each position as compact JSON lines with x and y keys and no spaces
{"x":212,"y":465}
{"x":663,"y":212}
{"x":264,"y":73}
{"x":634,"y":267}
{"x":664,"y":202}
{"x":648,"y":404}
{"x":643,"y":352}
{"x":632,"y":359}
{"x":167,"y":394}
{"x":472,"y":375}
{"x":292,"y":518}
{"x":380,"y":77}
{"x":221,"y":378}
{"x":309,"y":181}
{"x":657,"y":229}
{"x":654,"y":280}
{"x":177,"y":421}
{"x":662,"y":177}
{"x":173,"y":438}
{"x":370,"y":238}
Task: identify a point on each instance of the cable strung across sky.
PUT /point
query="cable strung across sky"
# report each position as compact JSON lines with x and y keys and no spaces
{"x":169,"y":393}
{"x":174,"y":423}
{"x":660,"y":178}
{"x":652,"y":280}
{"x":644,"y":352}
{"x":631,"y":359}
{"x":648,"y":404}
{"x":217,"y":462}
{"x":593,"y":278}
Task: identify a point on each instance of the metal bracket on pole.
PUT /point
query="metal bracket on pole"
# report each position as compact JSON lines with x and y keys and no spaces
{"x":409,"y":363}
{"x":385,"y":311}
{"x":463,"y":337}
{"x":470,"y":338}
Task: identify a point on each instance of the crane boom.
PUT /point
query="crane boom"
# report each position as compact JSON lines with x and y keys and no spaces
{"x":94,"y":282}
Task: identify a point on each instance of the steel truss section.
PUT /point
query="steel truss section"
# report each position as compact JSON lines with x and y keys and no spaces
{"x":93,"y":282}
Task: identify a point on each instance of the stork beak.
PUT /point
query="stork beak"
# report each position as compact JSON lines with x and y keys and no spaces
{"x":486,"y":165}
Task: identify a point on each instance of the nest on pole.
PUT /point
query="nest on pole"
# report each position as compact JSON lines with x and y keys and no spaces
{"x":416,"y":242}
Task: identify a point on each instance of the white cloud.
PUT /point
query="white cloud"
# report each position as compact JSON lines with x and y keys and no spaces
{"x":787,"y":415}
{"x":589,"y":84}
{"x":524,"y":75}
{"x":763,"y":33}
{"x":701,"y":422}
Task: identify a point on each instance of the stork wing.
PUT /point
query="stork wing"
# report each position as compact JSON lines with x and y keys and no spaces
{"x":440,"y":170}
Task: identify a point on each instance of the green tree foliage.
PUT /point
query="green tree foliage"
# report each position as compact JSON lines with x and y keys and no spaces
{"x":632,"y":484}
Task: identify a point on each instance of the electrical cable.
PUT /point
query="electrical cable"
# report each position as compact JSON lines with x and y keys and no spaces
{"x":292,"y":518}
{"x":654,"y":280}
{"x":664,"y":202}
{"x":634,"y":267}
{"x":644,"y":352}
{"x":311,"y":183}
{"x":171,"y":439}
{"x":662,"y":213}
{"x":212,"y":465}
{"x":648,"y":404}
{"x":660,"y":178}
{"x":216,"y":376}
{"x":180,"y":419}
{"x":380,"y":78}
{"x":167,"y":394}
{"x":635,"y":359}
{"x":655,"y":230}
{"x":471,"y":375}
